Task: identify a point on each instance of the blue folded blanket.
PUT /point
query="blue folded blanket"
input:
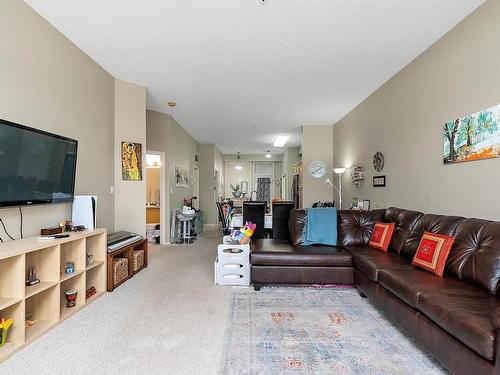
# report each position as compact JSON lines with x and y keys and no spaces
{"x":321,"y":226}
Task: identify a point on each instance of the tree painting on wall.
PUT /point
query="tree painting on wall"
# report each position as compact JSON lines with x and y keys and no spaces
{"x":473,"y":137}
{"x":131,"y":161}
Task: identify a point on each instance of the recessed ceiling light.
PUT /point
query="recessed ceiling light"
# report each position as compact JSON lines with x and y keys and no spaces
{"x":281,"y":140}
{"x":172,"y":103}
{"x":268,"y":154}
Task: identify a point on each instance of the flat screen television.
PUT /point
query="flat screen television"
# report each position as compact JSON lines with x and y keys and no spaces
{"x":36,"y":167}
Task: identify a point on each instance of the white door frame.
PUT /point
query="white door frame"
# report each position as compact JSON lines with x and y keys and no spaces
{"x":196,"y":185}
{"x":164,"y":220}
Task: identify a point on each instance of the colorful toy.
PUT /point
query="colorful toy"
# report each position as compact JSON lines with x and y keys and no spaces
{"x":243,"y":235}
{"x":4,"y":327}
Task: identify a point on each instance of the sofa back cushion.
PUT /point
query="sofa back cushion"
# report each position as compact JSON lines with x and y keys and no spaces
{"x":356,"y":227}
{"x":439,"y":224}
{"x":404,"y":221}
{"x":475,"y":255}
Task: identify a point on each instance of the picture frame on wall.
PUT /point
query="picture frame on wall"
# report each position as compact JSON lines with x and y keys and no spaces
{"x":181,"y":178}
{"x":354,"y":203}
{"x":366,"y":204}
{"x":131,"y":159}
{"x":378,"y":181}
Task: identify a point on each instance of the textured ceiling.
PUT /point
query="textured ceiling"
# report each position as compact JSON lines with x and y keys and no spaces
{"x":243,"y":71}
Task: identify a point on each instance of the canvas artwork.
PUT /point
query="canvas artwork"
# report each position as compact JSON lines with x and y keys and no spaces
{"x":131,"y":161}
{"x":181,"y":177}
{"x":473,"y":137}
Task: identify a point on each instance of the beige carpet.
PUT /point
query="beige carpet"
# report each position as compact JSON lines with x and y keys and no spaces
{"x":168,"y":319}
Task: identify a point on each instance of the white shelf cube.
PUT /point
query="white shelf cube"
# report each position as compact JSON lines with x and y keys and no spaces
{"x":232,"y":266}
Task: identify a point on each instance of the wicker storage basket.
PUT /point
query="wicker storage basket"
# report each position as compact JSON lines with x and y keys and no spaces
{"x":138,"y":259}
{"x":120,"y":269}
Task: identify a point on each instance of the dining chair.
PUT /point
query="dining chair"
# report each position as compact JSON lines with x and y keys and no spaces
{"x":281,"y":216}
{"x":254,"y":211}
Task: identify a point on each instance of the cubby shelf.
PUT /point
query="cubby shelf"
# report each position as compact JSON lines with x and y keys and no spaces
{"x":68,"y":276}
{"x":38,"y":288}
{"x":8,"y":302}
{"x":95,"y":264}
{"x":45,"y":302}
{"x":38,"y":328}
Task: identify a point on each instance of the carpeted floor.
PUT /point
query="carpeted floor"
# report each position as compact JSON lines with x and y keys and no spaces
{"x":317,"y":331}
{"x":168,"y":319}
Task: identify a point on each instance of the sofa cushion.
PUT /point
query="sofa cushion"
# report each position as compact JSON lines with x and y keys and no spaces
{"x":404,"y":221}
{"x":296,"y":224}
{"x":381,"y":236}
{"x":370,"y":261}
{"x":409,"y":284}
{"x":355,"y":227}
{"x":428,"y":223}
{"x":475,"y":255}
{"x":281,"y":253}
{"x":432,"y":252}
{"x":467,"y":317}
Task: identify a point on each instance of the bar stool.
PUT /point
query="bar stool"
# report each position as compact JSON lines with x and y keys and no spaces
{"x":186,"y":221}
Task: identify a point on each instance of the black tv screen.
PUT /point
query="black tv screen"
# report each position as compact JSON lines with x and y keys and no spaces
{"x":36,"y":167}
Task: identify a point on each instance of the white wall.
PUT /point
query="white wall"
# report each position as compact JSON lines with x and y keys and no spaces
{"x":458,"y":75}
{"x":130,"y":126}
{"x":50,"y":84}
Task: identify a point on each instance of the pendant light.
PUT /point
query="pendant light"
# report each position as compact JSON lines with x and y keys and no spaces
{"x":238,"y":166}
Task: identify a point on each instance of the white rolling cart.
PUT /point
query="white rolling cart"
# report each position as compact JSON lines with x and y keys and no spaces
{"x":232,"y":266}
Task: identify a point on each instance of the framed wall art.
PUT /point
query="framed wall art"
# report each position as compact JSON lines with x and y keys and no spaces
{"x":472,"y":137}
{"x":181,"y":177}
{"x":378,"y":181}
{"x":131,"y":161}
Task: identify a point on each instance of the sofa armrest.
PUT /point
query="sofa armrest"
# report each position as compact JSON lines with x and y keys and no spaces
{"x":495,"y":319}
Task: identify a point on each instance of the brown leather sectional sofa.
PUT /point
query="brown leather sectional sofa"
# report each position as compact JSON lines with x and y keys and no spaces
{"x":456,"y":317}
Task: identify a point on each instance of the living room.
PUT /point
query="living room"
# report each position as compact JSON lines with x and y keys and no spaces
{"x":388,"y":112}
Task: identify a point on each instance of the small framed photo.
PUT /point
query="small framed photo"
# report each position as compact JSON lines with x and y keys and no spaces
{"x":354,"y":203}
{"x":378,"y":181}
{"x":366,"y":204}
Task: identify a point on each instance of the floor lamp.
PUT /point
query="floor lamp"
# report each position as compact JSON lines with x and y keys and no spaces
{"x":339,"y":172}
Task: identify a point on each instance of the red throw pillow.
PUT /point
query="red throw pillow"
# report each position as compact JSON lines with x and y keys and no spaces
{"x":432,"y":252}
{"x":381,"y":236}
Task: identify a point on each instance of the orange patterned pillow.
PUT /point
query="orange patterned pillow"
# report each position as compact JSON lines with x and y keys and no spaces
{"x":433,"y":252}
{"x":381,"y":236}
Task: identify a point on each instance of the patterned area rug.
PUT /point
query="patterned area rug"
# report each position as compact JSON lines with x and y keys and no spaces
{"x":317,"y":331}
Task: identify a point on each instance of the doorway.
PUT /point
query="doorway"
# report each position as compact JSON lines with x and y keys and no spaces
{"x":156,"y":204}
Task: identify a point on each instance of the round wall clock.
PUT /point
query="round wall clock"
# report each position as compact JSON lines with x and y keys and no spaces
{"x":316,"y":169}
{"x":378,"y":161}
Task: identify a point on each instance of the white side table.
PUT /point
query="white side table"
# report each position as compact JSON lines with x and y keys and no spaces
{"x":232,"y":266}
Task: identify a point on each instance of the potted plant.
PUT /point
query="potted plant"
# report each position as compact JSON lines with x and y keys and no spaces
{"x":4,"y":327}
{"x":236,"y":191}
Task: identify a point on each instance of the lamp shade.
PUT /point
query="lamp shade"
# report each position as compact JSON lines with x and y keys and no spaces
{"x":339,"y":170}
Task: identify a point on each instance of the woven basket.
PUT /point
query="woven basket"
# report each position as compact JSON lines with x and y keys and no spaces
{"x":138,"y":259}
{"x":120,"y":270}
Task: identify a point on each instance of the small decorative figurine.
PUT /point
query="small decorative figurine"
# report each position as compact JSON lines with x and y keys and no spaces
{"x":4,"y":327}
{"x":90,"y":292}
{"x":71,"y":298}
{"x":70,"y":268}
{"x":32,"y":279}
{"x":90,"y":259}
